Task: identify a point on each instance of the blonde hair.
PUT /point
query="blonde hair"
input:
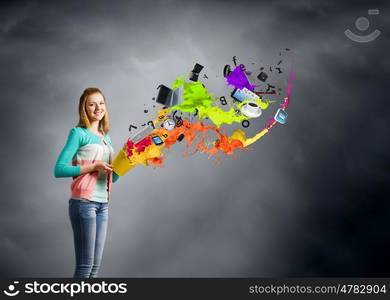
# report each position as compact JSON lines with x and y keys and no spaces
{"x":104,"y":123}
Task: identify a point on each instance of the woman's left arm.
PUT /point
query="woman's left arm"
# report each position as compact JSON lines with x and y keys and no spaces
{"x":115,"y":176}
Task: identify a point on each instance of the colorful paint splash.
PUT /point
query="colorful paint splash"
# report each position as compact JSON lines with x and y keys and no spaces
{"x":196,"y":99}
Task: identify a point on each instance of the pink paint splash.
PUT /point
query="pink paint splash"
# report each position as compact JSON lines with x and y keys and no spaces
{"x":286,"y":100}
{"x":140,"y":146}
{"x":289,"y":86}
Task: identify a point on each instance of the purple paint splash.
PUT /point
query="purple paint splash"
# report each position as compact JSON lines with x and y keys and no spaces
{"x":238,"y":79}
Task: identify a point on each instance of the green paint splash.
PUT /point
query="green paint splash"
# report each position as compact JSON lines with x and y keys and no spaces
{"x":197,"y":97}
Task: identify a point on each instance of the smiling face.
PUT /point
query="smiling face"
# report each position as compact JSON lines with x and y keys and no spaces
{"x":95,"y":107}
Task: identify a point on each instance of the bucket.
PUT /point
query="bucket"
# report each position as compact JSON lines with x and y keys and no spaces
{"x":122,"y":164}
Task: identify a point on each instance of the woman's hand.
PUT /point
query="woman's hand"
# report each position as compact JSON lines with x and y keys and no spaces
{"x":102,"y":167}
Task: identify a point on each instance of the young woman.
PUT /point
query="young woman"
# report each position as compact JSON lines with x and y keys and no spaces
{"x":90,"y":151}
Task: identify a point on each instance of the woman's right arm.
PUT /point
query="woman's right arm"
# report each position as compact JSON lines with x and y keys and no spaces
{"x":63,"y":167}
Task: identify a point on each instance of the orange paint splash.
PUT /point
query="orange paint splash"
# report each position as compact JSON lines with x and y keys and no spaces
{"x":193,"y":131}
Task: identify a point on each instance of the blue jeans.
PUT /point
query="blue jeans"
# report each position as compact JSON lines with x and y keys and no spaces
{"x":89,"y":222}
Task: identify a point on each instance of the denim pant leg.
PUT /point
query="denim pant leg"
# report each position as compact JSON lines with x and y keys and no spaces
{"x":101,"y":232}
{"x":89,"y":223}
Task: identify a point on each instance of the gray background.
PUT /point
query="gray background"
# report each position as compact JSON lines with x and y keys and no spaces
{"x":310,"y":200}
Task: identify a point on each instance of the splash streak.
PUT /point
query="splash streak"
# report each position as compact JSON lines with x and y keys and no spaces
{"x":272,"y":122}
